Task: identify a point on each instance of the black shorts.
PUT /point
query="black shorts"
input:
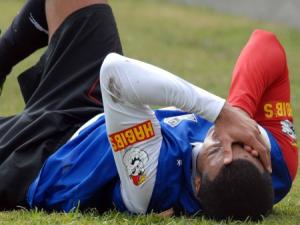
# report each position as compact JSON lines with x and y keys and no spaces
{"x":61,"y":92}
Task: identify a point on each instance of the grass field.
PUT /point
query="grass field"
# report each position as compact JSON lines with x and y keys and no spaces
{"x":195,"y":43}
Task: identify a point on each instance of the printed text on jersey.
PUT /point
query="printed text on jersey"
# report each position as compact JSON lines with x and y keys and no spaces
{"x":132,"y":135}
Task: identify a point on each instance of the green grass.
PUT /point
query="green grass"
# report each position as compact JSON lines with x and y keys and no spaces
{"x":196,"y":43}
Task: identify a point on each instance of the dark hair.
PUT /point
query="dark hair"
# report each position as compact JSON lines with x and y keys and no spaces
{"x":239,"y":192}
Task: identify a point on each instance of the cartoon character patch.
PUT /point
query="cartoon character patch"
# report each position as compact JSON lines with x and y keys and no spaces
{"x":288,"y":129}
{"x":135,"y":161}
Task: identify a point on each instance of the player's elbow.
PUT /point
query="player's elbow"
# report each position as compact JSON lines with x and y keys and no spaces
{"x":110,"y":64}
{"x":111,"y":67}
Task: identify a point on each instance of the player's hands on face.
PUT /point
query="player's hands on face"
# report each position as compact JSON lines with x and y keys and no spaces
{"x":234,"y":126}
{"x":252,"y":151}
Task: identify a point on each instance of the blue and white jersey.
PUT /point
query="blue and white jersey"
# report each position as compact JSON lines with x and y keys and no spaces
{"x":173,"y":186}
{"x":83,"y":171}
{"x":174,"y":183}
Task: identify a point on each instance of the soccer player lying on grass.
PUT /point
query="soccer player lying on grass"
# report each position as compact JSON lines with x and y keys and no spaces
{"x":61,"y":92}
{"x":172,"y":159}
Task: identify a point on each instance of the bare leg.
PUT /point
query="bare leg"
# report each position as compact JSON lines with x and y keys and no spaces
{"x":58,"y":10}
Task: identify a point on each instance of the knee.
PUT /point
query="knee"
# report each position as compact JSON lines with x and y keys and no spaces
{"x":266,"y":39}
{"x":272,"y":53}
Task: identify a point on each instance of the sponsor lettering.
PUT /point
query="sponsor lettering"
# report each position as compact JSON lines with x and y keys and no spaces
{"x":278,"y":109}
{"x":132,"y":135}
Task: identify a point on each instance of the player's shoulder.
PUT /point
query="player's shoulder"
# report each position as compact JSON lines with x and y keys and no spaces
{"x":88,"y":124}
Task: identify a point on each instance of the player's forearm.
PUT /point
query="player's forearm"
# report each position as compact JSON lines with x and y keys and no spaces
{"x":140,"y":83}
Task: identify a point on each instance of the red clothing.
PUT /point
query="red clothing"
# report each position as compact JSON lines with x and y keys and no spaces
{"x":261,"y":87}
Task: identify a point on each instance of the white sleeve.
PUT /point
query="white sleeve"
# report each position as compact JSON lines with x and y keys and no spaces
{"x":145,"y":84}
{"x":128,"y":88}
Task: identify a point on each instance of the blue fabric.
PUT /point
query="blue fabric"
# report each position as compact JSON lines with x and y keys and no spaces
{"x":281,"y":179}
{"x":83,"y":170}
{"x":173,"y":185}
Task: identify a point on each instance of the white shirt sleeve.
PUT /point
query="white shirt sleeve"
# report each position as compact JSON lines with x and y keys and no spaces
{"x":145,"y":84}
{"x":128,"y":88}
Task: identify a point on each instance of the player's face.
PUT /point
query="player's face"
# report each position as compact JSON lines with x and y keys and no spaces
{"x":211,"y":158}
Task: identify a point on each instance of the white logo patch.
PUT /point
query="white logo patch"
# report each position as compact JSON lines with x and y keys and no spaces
{"x":135,"y":161}
{"x":288,"y":129}
{"x":176,"y":120}
{"x":179,"y":162}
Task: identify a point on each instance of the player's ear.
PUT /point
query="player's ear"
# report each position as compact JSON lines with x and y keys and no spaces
{"x":197,"y":183}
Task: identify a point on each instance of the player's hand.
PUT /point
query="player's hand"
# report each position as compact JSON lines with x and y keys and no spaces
{"x":234,"y":126}
{"x":252,"y":151}
{"x":166,"y":214}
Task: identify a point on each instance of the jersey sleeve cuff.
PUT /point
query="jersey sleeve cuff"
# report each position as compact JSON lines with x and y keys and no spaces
{"x":215,"y":108}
